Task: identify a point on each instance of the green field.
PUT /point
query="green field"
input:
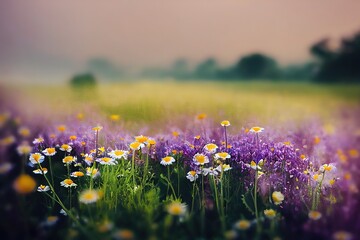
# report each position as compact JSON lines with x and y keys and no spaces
{"x":160,"y":103}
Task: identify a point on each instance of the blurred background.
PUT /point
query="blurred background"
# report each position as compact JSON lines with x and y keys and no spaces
{"x":149,"y":60}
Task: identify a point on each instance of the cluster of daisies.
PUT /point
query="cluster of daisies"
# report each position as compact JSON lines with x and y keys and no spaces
{"x":275,"y":171}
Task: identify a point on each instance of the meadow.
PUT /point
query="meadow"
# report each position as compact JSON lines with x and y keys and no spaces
{"x":180,"y":160}
{"x":158,"y":103}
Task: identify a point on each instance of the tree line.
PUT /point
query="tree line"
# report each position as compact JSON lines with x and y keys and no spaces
{"x":329,"y":65}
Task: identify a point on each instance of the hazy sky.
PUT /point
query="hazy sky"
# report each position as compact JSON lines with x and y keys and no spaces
{"x":65,"y":34}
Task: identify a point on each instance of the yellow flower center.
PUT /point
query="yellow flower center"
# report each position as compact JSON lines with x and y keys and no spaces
{"x":79,"y":174}
{"x":61,"y":128}
{"x":332,"y":182}
{"x":97,"y":128}
{"x":354,"y":153}
{"x":201,"y":116}
{"x":223,"y":155}
{"x":192,"y":173}
{"x":316,"y":177}
{"x":135,"y":145}
{"x":106,"y":159}
{"x":167,"y":159}
{"x":175,"y":210}
{"x":114,"y":117}
{"x":141,"y":139}
{"x":101,"y":149}
{"x":73,"y":138}
{"x":210,"y":146}
{"x":50,"y":150}
{"x":256,"y":129}
{"x":65,"y":147}
{"x":68,"y":159}
{"x":243,"y":224}
{"x":253,"y":164}
{"x":151,"y":141}
{"x":327,"y":168}
{"x":270,"y":213}
{"x":200,"y":158}
{"x":225,"y":123}
{"x":89,"y":195}
{"x":118,"y":152}
{"x":68,"y":181}
{"x":36,"y":157}
{"x":314,"y":215}
{"x":317,"y":140}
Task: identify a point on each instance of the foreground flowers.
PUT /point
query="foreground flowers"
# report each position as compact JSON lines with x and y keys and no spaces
{"x":210,"y":186}
{"x":89,"y":196}
{"x":176,"y":209}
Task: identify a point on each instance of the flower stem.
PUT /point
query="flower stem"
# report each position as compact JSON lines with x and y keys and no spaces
{"x":133,"y":168}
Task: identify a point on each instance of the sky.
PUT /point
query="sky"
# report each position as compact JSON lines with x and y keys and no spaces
{"x":42,"y":37}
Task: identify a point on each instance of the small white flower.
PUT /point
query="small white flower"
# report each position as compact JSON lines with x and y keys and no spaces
{"x":225,"y":167}
{"x":118,"y":154}
{"x":211,"y":171}
{"x":62,"y":211}
{"x":89,"y":159}
{"x":49,"y":152}
{"x":167,"y":161}
{"x":40,"y":171}
{"x":192,"y":176}
{"x":43,"y":188}
{"x":69,"y":159}
{"x":92,"y":172}
{"x":277,"y":197}
{"x":36,"y":158}
{"x":89,"y":196}
{"x":106,"y":161}
{"x":210,"y":148}
{"x":77,"y":174}
{"x":200,"y":159}
{"x":222,"y":156}
{"x":176,"y":209}
{"x":68,"y":183}
{"x":66,"y":147}
{"x":327,"y":168}
{"x":38,"y":140}
{"x":255,"y":166}
{"x":257,"y":129}
{"x":23,"y":149}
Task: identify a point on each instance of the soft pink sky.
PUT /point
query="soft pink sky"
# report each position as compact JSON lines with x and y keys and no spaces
{"x":153,"y":32}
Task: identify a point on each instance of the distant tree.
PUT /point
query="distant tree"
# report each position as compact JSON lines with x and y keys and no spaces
{"x":304,"y":71}
{"x":339,"y":65}
{"x":83,"y":80}
{"x":104,"y":68}
{"x":256,"y":65}
{"x":321,"y":50}
{"x":180,"y":69}
{"x":207,"y":69}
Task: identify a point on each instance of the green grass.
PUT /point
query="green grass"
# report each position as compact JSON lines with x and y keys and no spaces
{"x":160,"y":103}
